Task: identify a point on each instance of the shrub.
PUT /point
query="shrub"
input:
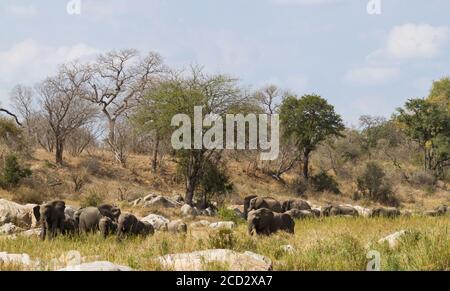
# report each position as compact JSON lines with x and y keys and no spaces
{"x":299,"y":186}
{"x":374,"y":186}
{"x":214,"y":183}
{"x":323,"y":182}
{"x":13,"y":172}
{"x":26,"y":195}
{"x":92,"y":166}
{"x":423,"y":178}
{"x":92,"y":198}
{"x":229,"y":215}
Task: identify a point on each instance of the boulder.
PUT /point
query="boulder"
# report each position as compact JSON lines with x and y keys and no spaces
{"x":393,"y":239}
{"x":230,"y":260}
{"x":149,"y":197}
{"x":159,"y":222}
{"x":200,"y":223}
{"x":364,"y":212}
{"x":20,"y":215}
{"x":187,"y":210}
{"x":136,"y":202}
{"x":209,"y":212}
{"x":177,"y":226}
{"x":238,"y":209}
{"x":97,"y":266}
{"x":223,"y":225}
{"x":160,"y":201}
{"x":23,"y":260}
{"x":10,"y":228}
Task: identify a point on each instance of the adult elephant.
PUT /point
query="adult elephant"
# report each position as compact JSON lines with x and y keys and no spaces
{"x":339,"y":210}
{"x":264,"y":221}
{"x":51,"y":216}
{"x":390,"y":212}
{"x":88,"y":219}
{"x":265,"y":202}
{"x":298,"y":204}
{"x":110,"y":211}
{"x":130,"y":225}
{"x":247,"y":204}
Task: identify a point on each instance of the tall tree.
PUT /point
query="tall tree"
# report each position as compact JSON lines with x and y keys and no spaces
{"x":63,"y":108}
{"x":118,"y":80}
{"x":428,"y":124}
{"x":308,"y":121}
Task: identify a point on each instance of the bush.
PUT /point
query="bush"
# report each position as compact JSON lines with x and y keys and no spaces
{"x":323,"y":182}
{"x":299,"y":186}
{"x":13,"y":172}
{"x":374,"y":186}
{"x":26,"y":195}
{"x":92,"y":166}
{"x":229,"y":215}
{"x":92,"y":198}
{"x":423,"y":178}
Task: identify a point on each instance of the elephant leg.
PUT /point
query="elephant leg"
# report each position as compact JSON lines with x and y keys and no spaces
{"x":43,"y":230}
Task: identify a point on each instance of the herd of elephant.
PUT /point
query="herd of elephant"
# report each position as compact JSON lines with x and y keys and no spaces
{"x":266,"y":215}
{"x":105,"y":218}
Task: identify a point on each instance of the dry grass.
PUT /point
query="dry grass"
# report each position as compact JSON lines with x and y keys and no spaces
{"x":326,"y":244}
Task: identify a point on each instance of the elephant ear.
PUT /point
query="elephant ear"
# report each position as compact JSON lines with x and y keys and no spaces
{"x":267,"y":213}
{"x":37,"y":212}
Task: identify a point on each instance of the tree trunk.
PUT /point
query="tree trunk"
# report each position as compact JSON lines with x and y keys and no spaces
{"x":191,"y":183}
{"x":155,"y":155}
{"x":306,"y":164}
{"x":59,"y":152}
{"x":118,"y":153}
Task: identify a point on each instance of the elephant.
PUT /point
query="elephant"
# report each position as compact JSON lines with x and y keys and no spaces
{"x":300,"y":214}
{"x":51,"y":216}
{"x":247,"y":204}
{"x":110,"y":211}
{"x":70,"y":225}
{"x":299,"y":204}
{"x":107,"y":226}
{"x":88,"y":219}
{"x":130,"y":225}
{"x":339,"y":210}
{"x":265,"y":202}
{"x":177,"y":226}
{"x":264,"y":221}
{"x":385,"y":212}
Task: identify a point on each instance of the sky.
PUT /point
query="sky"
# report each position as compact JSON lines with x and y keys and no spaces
{"x":361,"y":63}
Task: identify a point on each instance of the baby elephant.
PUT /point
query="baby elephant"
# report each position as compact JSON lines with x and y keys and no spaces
{"x":264,"y":221}
{"x":130,"y":225}
{"x":107,"y":226}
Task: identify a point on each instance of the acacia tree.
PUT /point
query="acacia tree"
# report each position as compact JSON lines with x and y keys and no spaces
{"x":308,"y":121}
{"x":117,"y":81}
{"x":180,"y":94}
{"x":62,"y":106}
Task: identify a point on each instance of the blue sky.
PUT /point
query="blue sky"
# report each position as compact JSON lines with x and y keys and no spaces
{"x":361,"y":63}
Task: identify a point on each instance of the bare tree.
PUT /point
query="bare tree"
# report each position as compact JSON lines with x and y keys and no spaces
{"x":22,"y":101}
{"x":117,"y":81}
{"x":62,"y":106}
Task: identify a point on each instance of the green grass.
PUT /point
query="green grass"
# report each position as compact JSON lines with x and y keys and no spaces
{"x":325,"y":244}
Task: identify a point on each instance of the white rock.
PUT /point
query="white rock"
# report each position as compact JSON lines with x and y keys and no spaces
{"x":159,"y":222}
{"x":161,"y":201}
{"x":223,"y":225}
{"x":238,"y":209}
{"x":15,"y":213}
{"x":364,"y":212}
{"x":187,"y":210}
{"x":231,"y":260}
{"x":10,"y":228}
{"x":16,"y":259}
{"x":97,"y":266}
{"x":149,"y":197}
{"x":393,"y":239}
{"x":200,"y":223}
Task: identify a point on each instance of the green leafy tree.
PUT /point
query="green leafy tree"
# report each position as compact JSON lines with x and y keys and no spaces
{"x":429,"y":125}
{"x":13,"y":172}
{"x":440,"y":93}
{"x":309,"y":121}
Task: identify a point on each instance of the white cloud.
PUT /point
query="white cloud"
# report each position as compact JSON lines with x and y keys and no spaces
{"x":371,"y":75}
{"x":30,"y":61}
{"x":21,"y":10}
{"x":416,"y":41}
